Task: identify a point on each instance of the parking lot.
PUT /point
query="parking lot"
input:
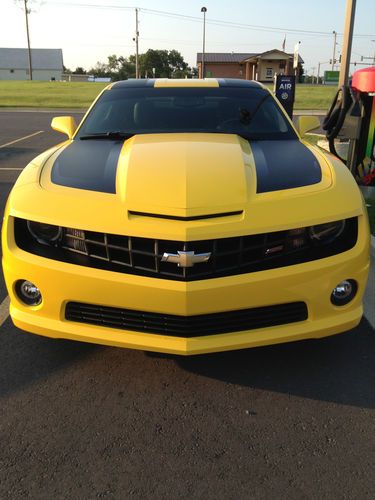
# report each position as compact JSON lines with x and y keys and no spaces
{"x":84,"y":421}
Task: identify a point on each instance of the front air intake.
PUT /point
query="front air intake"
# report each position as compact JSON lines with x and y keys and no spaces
{"x":186,"y":326}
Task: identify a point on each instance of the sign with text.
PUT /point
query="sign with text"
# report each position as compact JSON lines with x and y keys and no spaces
{"x":331,"y":77}
{"x":285,"y":91}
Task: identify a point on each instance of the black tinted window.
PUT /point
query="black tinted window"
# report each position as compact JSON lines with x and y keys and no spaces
{"x":245,"y":111}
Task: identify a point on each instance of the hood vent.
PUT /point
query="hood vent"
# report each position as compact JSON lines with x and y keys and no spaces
{"x":188,"y":218}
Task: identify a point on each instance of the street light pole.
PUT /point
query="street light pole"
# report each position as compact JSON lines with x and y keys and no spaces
{"x":204,"y":10}
{"x":136,"y":45}
{"x":334,"y":49}
{"x":28,"y":39}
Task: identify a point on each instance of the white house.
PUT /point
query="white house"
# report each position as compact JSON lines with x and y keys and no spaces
{"x":47,"y":64}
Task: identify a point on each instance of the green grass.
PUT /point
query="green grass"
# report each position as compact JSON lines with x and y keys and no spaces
{"x":48,"y":94}
{"x":371,"y":213}
{"x":80,"y":95}
{"x":314,"y":96}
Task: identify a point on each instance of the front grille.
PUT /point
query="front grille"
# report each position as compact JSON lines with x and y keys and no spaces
{"x":186,"y":326}
{"x":142,"y":256}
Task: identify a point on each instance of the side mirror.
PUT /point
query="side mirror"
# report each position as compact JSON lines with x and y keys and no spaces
{"x":64,"y":124}
{"x":307,"y":123}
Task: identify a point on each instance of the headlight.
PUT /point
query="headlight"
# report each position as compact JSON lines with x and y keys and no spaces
{"x":46,"y":234}
{"x":326,"y":233}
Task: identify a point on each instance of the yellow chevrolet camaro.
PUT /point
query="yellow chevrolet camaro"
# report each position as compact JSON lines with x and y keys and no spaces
{"x":185,"y":216}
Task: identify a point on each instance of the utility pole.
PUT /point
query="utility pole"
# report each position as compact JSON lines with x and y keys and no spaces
{"x":136,"y":45}
{"x":313,"y":73}
{"x":204,"y":10}
{"x":334,"y":49}
{"x":347,"y":42}
{"x":27,"y":12}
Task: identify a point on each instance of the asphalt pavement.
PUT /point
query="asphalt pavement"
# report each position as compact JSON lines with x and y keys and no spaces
{"x":85,"y":421}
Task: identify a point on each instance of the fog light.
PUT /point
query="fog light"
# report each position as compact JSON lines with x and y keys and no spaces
{"x":28,"y":292}
{"x":344,"y":292}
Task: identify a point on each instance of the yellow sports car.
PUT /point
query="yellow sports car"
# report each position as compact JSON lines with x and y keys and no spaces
{"x":185,"y":216}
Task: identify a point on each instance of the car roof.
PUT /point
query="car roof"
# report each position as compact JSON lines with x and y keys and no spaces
{"x":185,"y":82}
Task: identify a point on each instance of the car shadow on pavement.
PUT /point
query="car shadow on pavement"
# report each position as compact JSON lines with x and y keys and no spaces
{"x":26,"y":359}
{"x":338,"y":369}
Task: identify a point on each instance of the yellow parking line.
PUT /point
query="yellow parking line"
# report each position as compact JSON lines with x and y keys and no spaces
{"x":4,"y":310}
{"x":21,"y":139}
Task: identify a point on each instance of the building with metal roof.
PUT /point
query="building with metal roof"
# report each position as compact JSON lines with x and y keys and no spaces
{"x":47,"y":64}
{"x":248,"y":66}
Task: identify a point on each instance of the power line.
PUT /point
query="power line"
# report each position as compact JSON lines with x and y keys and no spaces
{"x":216,"y":22}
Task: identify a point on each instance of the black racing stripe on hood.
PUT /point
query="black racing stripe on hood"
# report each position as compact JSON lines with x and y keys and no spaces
{"x":284,"y":165}
{"x":90,"y":165}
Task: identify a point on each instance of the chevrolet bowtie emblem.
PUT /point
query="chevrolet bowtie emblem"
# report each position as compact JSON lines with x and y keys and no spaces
{"x":186,"y":259}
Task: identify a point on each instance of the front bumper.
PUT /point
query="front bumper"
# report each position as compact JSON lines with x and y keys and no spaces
{"x":310,"y":282}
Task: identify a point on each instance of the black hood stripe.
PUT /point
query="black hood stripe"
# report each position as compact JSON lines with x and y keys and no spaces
{"x":284,"y":165}
{"x":90,"y":165}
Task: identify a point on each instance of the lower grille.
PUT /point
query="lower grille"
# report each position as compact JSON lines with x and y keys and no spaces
{"x":186,"y":326}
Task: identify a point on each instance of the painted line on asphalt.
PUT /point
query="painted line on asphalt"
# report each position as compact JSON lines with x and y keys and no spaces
{"x":21,"y":139}
{"x":4,"y":310}
{"x":78,"y":111}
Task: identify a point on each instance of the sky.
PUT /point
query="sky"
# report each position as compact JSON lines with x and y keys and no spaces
{"x":90,"y":30}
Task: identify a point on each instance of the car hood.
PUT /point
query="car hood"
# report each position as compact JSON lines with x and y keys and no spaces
{"x":185,"y":186}
{"x":163,"y":172}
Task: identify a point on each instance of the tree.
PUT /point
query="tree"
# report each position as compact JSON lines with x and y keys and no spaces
{"x":162,"y":64}
{"x":177,"y":65}
{"x":194,"y":72}
{"x":153,"y":63}
{"x":79,"y":71}
{"x":120,"y":67}
{"x":114,"y":62}
{"x":99,"y":70}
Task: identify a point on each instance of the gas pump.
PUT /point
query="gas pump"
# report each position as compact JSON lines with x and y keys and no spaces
{"x":352,"y":117}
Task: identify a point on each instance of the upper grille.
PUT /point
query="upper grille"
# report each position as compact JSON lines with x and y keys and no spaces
{"x":142,"y":256}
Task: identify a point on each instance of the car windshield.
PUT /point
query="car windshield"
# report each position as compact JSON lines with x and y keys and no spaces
{"x":250,"y":112}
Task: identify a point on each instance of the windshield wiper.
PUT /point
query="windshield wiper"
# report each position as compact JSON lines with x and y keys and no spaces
{"x":247,"y":137}
{"x":112,"y":135}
